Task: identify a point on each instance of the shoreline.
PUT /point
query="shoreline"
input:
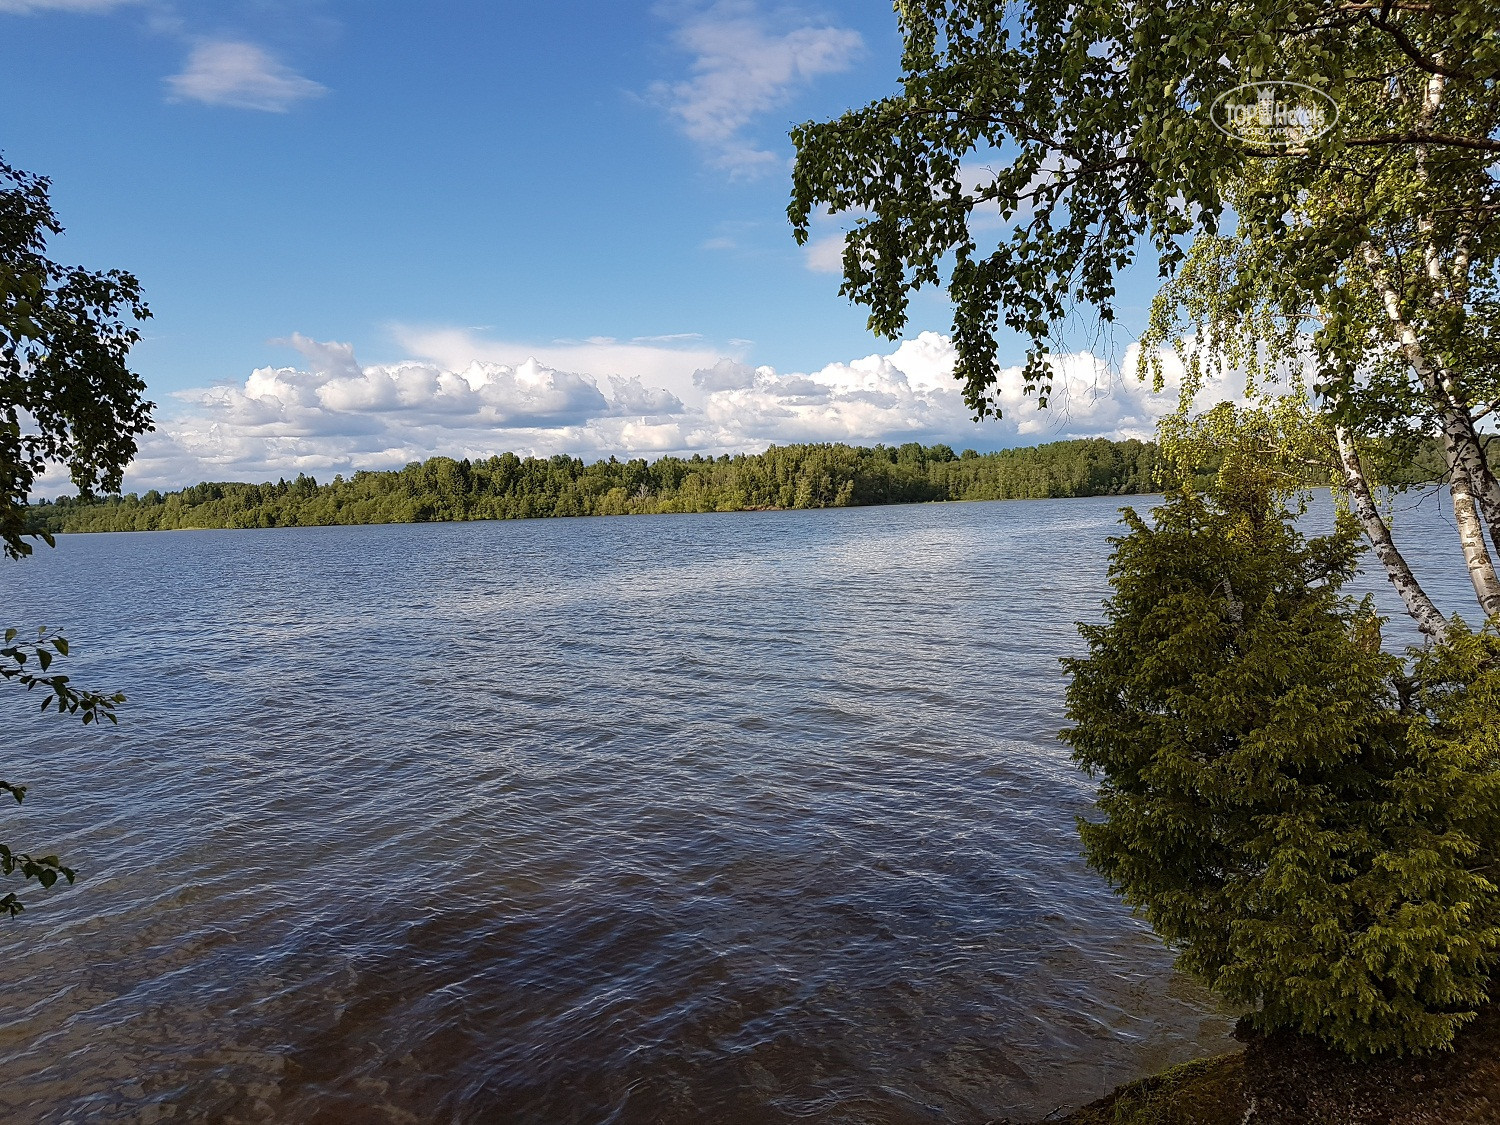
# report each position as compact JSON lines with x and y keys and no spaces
{"x":1288,"y":1079}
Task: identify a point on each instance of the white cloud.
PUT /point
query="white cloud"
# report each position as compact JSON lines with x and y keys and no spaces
{"x":741,"y":68}
{"x":633,"y":398}
{"x":825,"y":255}
{"x":667,"y":362}
{"x":668,"y":338}
{"x":240,"y":75}
{"x":725,"y":375}
{"x":26,"y":7}
{"x":334,"y":414}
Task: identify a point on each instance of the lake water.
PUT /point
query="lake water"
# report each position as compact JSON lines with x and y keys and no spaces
{"x":737,"y":818}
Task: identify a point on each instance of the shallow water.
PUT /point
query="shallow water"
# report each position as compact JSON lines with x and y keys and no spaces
{"x":739,"y":818}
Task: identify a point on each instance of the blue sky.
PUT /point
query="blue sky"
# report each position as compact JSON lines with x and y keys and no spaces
{"x":357,"y":223}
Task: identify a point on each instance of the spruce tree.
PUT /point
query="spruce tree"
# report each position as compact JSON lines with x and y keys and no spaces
{"x":1306,"y":828}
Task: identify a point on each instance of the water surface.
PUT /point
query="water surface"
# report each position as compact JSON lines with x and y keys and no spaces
{"x":745,"y":818}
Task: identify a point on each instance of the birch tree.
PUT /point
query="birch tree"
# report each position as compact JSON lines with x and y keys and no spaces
{"x":1363,"y":256}
{"x":67,"y":395}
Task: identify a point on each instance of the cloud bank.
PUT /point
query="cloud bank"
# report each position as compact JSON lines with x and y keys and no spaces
{"x":330,"y":413}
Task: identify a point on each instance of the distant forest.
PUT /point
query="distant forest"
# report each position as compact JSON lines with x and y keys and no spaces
{"x":511,"y":487}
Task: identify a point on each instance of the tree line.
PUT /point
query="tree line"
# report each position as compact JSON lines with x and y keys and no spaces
{"x":512,"y":487}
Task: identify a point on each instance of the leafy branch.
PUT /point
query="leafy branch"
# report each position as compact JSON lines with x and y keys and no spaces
{"x":40,"y":654}
{"x":29,"y":664}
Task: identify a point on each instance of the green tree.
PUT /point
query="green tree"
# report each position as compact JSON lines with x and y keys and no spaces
{"x":66,"y":397}
{"x":509,"y":487}
{"x":1365,"y":256}
{"x":1307,"y":820}
{"x":1304,"y":828}
{"x":66,"y":394}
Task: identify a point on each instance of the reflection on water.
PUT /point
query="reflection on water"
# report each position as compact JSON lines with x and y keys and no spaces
{"x":746,"y":818}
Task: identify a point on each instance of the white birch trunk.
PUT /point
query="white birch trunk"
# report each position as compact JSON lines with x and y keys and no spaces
{"x":1418,"y":604}
{"x":1471,"y":535}
{"x":1450,"y":282}
{"x":1471,"y":481}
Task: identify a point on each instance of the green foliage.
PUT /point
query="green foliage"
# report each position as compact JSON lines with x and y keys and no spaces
{"x":511,"y":487}
{"x":1276,"y":449}
{"x":66,"y":397}
{"x":28,"y":664}
{"x":66,"y":394}
{"x":1308,"y":828}
{"x":19,"y":658}
{"x":1035,"y":147}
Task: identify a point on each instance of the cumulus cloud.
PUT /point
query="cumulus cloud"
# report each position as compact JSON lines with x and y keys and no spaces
{"x":667,"y":360}
{"x":330,"y":413}
{"x":241,"y":75}
{"x":743,"y":66}
{"x":631,"y":396}
{"x":725,"y":375}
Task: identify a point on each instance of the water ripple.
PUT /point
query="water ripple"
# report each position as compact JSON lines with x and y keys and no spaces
{"x":750,"y":818}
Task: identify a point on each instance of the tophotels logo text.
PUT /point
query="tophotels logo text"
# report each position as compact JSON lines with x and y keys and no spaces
{"x":1274,"y":114}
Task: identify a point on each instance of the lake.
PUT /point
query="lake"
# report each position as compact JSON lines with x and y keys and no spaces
{"x":726,"y":818}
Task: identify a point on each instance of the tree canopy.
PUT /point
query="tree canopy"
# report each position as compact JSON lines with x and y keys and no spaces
{"x":1037,"y":147}
{"x":1087,"y":129}
{"x":67,"y":396}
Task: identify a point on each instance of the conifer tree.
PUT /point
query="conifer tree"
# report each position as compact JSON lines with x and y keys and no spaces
{"x":1307,"y":829}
